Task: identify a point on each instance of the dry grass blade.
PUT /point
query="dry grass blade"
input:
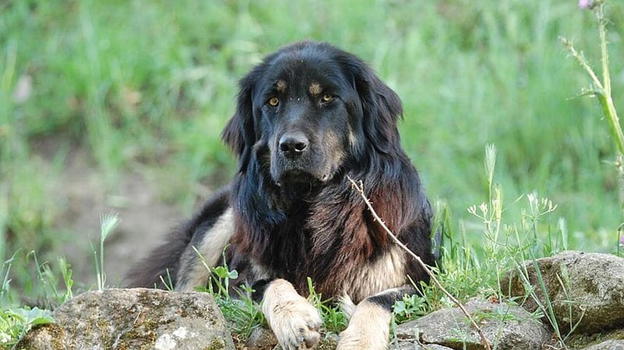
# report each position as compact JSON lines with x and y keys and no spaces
{"x":360,"y":188}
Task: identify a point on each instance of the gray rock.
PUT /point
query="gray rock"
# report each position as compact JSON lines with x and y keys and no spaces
{"x":583,"y":288}
{"x":505,"y":327}
{"x":134,"y":319}
{"x":261,"y":339}
{"x":264,"y":339}
{"x":407,"y":345}
{"x":608,"y":345}
{"x":47,"y":337}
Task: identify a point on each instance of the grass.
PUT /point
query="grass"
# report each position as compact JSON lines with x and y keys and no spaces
{"x":17,"y":322}
{"x":108,"y":223}
{"x":148,"y":85}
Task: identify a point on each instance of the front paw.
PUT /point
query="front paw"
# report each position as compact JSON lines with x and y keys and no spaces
{"x":368,"y":328}
{"x":294,"y":321}
{"x":360,"y":339}
{"x":296,"y":324}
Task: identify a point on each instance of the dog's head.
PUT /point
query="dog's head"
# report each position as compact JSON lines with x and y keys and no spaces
{"x":308,"y":111}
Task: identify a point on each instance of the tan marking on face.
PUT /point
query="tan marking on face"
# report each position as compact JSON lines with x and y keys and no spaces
{"x":368,"y":328}
{"x":336,"y":154}
{"x":315,"y":89}
{"x":351,"y":136}
{"x":193,"y":272}
{"x":292,"y":318}
{"x":280,"y":86}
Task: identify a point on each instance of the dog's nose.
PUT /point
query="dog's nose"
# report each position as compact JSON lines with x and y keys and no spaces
{"x":293,"y":144}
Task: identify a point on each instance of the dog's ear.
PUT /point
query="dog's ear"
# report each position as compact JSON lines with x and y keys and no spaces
{"x":239,"y":132}
{"x":381,"y":106}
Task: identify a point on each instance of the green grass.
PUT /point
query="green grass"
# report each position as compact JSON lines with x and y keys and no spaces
{"x":17,"y":322}
{"x":148,"y":85}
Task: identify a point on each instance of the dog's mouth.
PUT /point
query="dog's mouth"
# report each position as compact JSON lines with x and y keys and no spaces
{"x":309,"y":170}
{"x":299,"y":176}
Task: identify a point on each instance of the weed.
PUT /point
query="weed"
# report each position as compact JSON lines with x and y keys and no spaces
{"x":107,"y":225}
{"x":334,"y":319}
{"x":15,"y":323}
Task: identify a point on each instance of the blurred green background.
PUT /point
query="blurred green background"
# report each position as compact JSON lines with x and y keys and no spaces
{"x":118,"y":106}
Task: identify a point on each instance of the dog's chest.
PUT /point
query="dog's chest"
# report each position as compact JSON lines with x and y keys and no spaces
{"x":384,"y":272}
{"x":336,"y":270}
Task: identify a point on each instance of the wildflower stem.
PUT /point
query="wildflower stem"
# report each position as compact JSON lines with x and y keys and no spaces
{"x":580,"y":58}
{"x":606,"y":100}
{"x":603,"y":92}
{"x":602,"y":88}
{"x":604,"y":54}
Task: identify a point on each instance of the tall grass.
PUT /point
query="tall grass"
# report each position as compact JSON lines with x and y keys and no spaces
{"x":108,"y":224}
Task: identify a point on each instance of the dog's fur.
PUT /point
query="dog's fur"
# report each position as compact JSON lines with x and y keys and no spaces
{"x":307,"y":117}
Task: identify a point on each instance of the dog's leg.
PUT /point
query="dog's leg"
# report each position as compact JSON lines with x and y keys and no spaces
{"x":292,"y":318}
{"x":369,"y":325}
{"x":204,"y":252}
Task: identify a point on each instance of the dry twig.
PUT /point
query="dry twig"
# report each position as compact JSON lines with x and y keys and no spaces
{"x":360,"y":188}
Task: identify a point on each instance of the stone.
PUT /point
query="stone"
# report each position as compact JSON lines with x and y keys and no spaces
{"x":505,"y":327}
{"x":260,"y":339}
{"x":407,"y":345}
{"x":134,"y":319}
{"x":263,"y":339}
{"x":586,"y":290}
{"x":46,"y":337}
{"x":608,"y":345}
{"x":582,"y":341}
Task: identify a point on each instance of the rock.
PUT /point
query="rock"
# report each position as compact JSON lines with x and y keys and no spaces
{"x":47,"y":337}
{"x":134,"y":319}
{"x":582,"y":341}
{"x":587,"y":288}
{"x":260,"y":339}
{"x":505,"y":326}
{"x":264,"y":339}
{"x":608,"y":345}
{"x":407,"y":345}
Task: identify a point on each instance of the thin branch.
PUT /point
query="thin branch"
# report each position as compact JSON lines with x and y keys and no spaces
{"x":360,"y":188}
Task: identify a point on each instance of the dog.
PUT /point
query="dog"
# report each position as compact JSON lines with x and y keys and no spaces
{"x":309,"y":117}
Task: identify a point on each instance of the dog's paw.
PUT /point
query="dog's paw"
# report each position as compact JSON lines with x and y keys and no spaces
{"x":368,"y":328}
{"x":294,"y":321}
{"x":296,"y":324}
{"x":362,"y":339}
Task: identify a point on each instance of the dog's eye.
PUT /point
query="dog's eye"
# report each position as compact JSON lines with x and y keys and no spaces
{"x":273,"y":101}
{"x":327,"y":98}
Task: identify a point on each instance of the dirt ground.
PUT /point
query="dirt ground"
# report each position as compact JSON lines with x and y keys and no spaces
{"x":144,"y":219}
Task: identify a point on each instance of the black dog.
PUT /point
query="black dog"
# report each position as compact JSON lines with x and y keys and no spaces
{"x":307,"y":117}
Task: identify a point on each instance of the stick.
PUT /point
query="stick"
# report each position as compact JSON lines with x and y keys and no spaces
{"x":360,"y":189}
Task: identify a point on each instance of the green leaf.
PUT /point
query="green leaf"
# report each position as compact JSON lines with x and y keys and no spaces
{"x":36,"y":316}
{"x":221,"y":271}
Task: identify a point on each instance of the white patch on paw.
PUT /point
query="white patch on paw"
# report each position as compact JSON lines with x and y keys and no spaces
{"x":294,"y":321}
